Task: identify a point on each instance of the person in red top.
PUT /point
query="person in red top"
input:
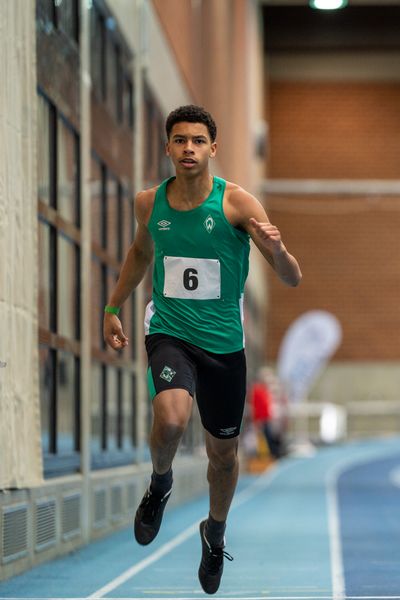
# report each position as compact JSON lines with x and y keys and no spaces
{"x":261,"y":400}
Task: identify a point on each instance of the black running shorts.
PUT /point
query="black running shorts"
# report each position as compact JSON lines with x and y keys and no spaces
{"x":218,"y":380}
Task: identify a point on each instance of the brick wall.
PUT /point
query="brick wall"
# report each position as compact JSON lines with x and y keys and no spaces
{"x":348,"y":247}
{"x":349,"y":250}
{"x":334,"y":130}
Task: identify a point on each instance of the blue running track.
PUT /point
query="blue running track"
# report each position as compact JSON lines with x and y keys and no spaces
{"x":325,"y":527}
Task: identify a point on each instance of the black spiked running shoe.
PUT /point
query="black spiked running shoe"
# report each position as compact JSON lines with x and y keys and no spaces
{"x":149,"y":516}
{"x":212,"y":563}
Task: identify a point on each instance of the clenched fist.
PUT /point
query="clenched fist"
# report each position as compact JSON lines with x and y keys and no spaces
{"x":112,"y":332}
{"x":269,"y":236}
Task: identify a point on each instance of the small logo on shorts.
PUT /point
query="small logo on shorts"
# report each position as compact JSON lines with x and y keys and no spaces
{"x":209,"y":223}
{"x":168,"y":374}
{"x":227,"y":431}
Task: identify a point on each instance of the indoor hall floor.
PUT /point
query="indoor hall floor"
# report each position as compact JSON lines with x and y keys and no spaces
{"x":325,"y":527}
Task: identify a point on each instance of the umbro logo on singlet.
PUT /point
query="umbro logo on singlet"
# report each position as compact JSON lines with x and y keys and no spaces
{"x":209,"y":223}
{"x":164,"y":225}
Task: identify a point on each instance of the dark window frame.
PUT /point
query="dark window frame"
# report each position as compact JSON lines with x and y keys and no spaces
{"x":55,"y":463}
{"x":111,"y":37}
{"x":110,"y":265}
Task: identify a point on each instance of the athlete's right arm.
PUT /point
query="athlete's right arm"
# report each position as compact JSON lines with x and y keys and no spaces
{"x":139,"y":257}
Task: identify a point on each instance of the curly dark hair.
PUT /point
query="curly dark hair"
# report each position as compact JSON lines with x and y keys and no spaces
{"x":191,"y":114}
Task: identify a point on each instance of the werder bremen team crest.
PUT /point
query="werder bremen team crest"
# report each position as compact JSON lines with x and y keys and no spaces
{"x":168,"y":374}
{"x":209,"y":223}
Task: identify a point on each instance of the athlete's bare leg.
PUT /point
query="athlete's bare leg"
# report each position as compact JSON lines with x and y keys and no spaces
{"x":222,"y":474}
{"x":171,"y":413}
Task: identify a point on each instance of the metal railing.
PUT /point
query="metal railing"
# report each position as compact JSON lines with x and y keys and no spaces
{"x":329,"y":422}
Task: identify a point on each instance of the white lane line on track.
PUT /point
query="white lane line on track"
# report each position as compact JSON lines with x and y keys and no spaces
{"x":252,"y":490}
{"x":337,"y":574}
{"x":332,"y":478}
{"x":135,"y":569}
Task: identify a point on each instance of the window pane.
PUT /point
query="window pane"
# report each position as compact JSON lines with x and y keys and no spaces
{"x":66,"y":402}
{"x":67,"y":17}
{"x":97,"y":207}
{"x":127,"y":102}
{"x":119,"y":86}
{"x":112,"y":408}
{"x":68,"y":301}
{"x":46,"y":10}
{"x":96,"y":51}
{"x":46,"y":371}
{"x":96,"y":408}
{"x":44,"y":275}
{"x":43,"y":158}
{"x":127,"y":224}
{"x":111,"y":69}
{"x":97,"y":304}
{"x":128,"y":411}
{"x":113,"y":220}
{"x":67,"y":165}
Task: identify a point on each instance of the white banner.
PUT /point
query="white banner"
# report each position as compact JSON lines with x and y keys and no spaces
{"x":308,"y":345}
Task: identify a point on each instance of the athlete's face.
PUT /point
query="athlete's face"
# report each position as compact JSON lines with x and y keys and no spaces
{"x":190,"y":147}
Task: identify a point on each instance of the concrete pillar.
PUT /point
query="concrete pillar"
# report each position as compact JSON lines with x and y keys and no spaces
{"x":20,"y":443}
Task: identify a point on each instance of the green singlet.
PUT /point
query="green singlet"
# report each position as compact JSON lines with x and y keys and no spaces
{"x":200,"y":267}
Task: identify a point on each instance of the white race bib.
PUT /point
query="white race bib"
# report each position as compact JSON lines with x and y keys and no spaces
{"x":192,"y":278}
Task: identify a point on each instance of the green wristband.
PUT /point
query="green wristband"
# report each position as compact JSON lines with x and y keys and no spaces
{"x":114,"y":310}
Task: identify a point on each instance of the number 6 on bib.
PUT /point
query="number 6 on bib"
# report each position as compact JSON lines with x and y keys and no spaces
{"x":192,"y":278}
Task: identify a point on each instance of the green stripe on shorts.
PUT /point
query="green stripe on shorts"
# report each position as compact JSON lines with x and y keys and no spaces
{"x":150,"y":383}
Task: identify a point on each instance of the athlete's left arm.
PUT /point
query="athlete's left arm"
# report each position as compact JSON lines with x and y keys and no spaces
{"x":249,"y":214}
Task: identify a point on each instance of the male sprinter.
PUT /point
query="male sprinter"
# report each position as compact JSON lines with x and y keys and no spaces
{"x":197,"y":227}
